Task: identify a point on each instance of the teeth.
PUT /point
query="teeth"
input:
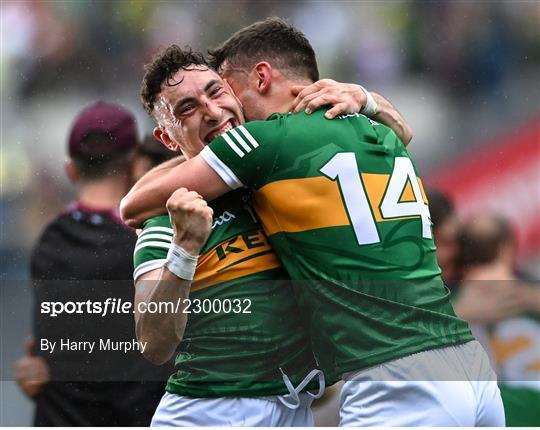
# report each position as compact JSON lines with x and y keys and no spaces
{"x":222,"y":130}
{"x":227,"y":127}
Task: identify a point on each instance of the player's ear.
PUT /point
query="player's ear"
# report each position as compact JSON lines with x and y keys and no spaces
{"x":263,"y":74}
{"x":165,"y":139}
{"x":71,"y":171}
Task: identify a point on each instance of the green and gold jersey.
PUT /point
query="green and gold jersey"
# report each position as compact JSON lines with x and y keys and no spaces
{"x":243,"y":323}
{"x":515,"y":344}
{"x":343,"y":207}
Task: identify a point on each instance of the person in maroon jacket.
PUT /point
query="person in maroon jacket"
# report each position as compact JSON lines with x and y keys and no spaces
{"x":85,"y":254}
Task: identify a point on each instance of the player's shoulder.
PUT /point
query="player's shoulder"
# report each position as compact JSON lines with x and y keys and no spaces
{"x":293,"y":119}
{"x":285,"y":124}
{"x":255,"y":132}
{"x":281,"y":121}
{"x":249,"y":136}
{"x":303,"y":123}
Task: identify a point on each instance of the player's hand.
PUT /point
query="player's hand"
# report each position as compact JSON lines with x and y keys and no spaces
{"x":31,"y":372}
{"x":344,"y":98}
{"x":191,"y":218}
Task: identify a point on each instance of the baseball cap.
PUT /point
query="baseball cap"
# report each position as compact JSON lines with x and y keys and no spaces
{"x":102,"y":118}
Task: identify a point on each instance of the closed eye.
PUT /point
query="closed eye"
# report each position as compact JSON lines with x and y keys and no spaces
{"x":216,"y":91}
{"x":187,"y":108}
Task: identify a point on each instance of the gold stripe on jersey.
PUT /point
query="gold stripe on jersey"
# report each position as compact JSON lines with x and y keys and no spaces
{"x":242,"y":255}
{"x":504,"y":349}
{"x":294,"y":205}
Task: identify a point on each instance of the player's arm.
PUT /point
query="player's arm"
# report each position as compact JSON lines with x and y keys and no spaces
{"x":349,"y":98}
{"x":130,"y":205}
{"x":148,"y":197}
{"x":388,"y":115}
{"x":162,"y":331}
{"x":240,"y":157}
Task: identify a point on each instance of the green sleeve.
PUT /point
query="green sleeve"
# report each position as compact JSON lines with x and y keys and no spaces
{"x":246,"y":155}
{"x":152,"y":245}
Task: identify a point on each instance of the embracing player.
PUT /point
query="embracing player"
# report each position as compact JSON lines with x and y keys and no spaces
{"x":244,"y":326}
{"x":343,"y":207}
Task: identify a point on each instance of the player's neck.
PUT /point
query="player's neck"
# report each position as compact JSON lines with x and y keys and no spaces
{"x":283,"y":98}
{"x":103,"y":194}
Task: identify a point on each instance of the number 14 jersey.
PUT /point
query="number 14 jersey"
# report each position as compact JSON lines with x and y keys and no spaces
{"x":344,"y":209}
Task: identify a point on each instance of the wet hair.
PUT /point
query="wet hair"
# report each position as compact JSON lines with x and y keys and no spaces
{"x":162,"y":68}
{"x":272,"y":40}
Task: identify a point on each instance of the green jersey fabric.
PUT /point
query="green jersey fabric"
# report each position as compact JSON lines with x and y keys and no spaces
{"x":343,"y":207}
{"x":244,"y":324}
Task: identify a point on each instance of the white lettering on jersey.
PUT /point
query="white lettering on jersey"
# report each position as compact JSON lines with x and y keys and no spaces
{"x":223,"y":218}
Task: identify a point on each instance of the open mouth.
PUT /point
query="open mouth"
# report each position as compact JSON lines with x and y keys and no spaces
{"x":226,"y":126}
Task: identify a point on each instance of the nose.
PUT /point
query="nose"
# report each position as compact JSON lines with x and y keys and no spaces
{"x":212,"y":111}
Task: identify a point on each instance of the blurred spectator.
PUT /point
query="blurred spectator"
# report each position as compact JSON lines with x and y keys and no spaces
{"x":445,"y":231}
{"x":505,"y":311}
{"x":85,"y":253}
{"x":149,"y":153}
{"x":486,"y":253}
{"x":441,"y":39}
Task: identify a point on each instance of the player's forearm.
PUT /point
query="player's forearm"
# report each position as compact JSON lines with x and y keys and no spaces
{"x":149,"y":199}
{"x":389,"y":116}
{"x":348,"y":98}
{"x":148,"y":196}
{"x":162,"y":331}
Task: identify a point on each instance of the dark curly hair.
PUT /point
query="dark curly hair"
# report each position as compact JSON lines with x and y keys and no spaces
{"x":161,"y":69}
{"x":272,"y":40}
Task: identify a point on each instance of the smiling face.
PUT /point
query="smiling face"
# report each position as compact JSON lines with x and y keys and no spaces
{"x":195,"y":107}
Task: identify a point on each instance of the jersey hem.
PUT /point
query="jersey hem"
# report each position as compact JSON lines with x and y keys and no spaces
{"x":257,"y":391}
{"x":355,"y":365}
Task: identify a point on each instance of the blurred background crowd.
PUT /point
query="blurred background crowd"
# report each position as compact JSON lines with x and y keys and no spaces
{"x":463,"y":73}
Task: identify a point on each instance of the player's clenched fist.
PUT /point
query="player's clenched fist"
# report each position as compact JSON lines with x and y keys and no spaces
{"x":191,"y":218}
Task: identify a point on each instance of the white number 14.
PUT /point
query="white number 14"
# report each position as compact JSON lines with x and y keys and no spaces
{"x":344,"y":168}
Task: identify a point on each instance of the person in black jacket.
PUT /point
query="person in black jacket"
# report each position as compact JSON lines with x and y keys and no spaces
{"x":84,"y":255}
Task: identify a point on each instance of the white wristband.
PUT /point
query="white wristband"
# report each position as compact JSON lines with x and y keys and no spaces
{"x":181,"y":263}
{"x":371,"y":108}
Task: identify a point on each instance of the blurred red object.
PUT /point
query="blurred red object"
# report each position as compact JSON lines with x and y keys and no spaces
{"x":502,"y":176}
